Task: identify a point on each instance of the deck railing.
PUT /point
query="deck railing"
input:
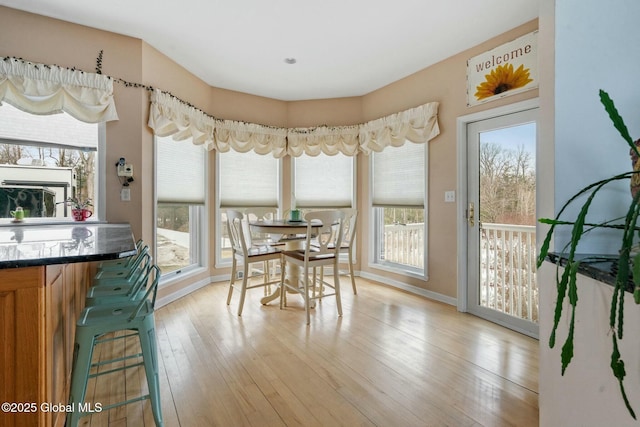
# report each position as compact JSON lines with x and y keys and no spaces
{"x":508,"y":269}
{"x":507,"y":263}
{"x":404,"y":244}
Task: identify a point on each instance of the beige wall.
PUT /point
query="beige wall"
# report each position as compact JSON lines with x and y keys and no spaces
{"x":46,"y":40}
{"x":445,"y":83}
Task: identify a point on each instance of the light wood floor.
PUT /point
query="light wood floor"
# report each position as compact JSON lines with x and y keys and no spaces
{"x":393,"y":359}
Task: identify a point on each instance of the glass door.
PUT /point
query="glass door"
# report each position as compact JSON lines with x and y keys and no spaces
{"x":501,"y":220}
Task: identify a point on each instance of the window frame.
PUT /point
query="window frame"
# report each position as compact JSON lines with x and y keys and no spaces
{"x":220,"y":226}
{"x":198,"y":226}
{"x":99,"y":205}
{"x":354,"y":200}
{"x":376,"y":218}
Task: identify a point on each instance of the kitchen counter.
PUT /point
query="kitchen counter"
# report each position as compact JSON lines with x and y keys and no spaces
{"x":601,"y":267}
{"x":45,"y":271}
{"x":29,"y":245}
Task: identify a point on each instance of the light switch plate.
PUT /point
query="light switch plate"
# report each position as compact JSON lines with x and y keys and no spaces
{"x":125,"y":195}
{"x":449,"y":196}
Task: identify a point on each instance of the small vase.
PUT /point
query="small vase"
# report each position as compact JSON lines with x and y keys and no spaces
{"x":81,"y":214}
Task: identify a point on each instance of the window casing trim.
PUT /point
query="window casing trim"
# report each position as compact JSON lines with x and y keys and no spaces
{"x":395,"y":268}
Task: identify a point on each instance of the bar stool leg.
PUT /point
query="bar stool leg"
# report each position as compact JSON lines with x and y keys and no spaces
{"x":150,"y":356}
{"x":83,"y":352}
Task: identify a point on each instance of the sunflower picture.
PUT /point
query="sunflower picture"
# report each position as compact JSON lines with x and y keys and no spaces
{"x":502,"y":79}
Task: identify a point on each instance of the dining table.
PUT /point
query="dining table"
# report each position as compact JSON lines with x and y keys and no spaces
{"x":292,"y":234}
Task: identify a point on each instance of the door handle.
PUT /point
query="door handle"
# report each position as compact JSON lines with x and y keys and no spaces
{"x":471,"y":214}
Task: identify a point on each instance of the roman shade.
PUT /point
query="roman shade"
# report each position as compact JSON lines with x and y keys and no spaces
{"x":248,"y":180}
{"x":181,"y":171}
{"x":54,"y":130}
{"x":323,"y":181}
{"x":399,"y":176}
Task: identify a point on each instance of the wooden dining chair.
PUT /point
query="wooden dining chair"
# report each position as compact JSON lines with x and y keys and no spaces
{"x":347,"y":246}
{"x":321,"y":248}
{"x":246,"y":253}
{"x":257,"y":238}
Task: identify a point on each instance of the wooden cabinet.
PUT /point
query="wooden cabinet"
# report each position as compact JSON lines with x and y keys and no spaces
{"x":39,"y":307}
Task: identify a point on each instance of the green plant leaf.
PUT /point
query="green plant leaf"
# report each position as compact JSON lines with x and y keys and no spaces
{"x":618,"y":122}
{"x":617,"y":366}
{"x":544,"y":249}
{"x":561,"y":288}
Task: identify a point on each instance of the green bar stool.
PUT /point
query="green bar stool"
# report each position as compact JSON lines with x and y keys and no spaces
{"x":125,"y":275}
{"x":97,"y":321}
{"x":117,"y":264}
{"x":116,"y":292}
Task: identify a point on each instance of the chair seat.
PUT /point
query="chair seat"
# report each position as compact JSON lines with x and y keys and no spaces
{"x":343,"y":246}
{"x":113,"y":317}
{"x":262,"y":250}
{"x":299,"y":255}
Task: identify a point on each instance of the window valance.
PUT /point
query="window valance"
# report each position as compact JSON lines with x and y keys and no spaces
{"x":418,"y":125}
{"x":171,"y":116}
{"x":49,"y":89}
{"x":323,"y":139}
{"x":244,"y":137}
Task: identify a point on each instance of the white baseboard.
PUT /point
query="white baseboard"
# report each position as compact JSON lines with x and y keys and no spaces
{"x":188,"y":289}
{"x":381,"y":279}
{"x":409,"y":288}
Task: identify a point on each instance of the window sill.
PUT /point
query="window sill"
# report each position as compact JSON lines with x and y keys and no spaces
{"x":421,"y":275}
{"x":6,"y":222}
{"x":176,"y":276}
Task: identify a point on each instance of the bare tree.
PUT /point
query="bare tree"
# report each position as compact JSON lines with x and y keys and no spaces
{"x":507,"y":185}
{"x":10,"y":154}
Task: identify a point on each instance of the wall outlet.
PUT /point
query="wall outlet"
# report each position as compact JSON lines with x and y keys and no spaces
{"x":125,"y":195}
{"x":449,"y":196}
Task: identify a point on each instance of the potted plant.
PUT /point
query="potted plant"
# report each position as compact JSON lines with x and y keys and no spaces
{"x":628,"y":257}
{"x":79,"y":208}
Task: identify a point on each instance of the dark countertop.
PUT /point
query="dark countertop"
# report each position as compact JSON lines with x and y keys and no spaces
{"x":28,"y":245}
{"x":597,"y":266}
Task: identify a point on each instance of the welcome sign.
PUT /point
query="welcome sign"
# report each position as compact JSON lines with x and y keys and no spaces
{"x":506,"y":70}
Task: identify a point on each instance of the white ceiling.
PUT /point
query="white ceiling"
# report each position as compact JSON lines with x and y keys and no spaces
{"x":342,"y":47}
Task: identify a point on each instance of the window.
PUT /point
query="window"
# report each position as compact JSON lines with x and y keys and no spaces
{"x":180,"y":209}
{"x":46,"y":159}
{"x":323,"y":181}
{"x":245,"y":180}
{"x":398,"y":208}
